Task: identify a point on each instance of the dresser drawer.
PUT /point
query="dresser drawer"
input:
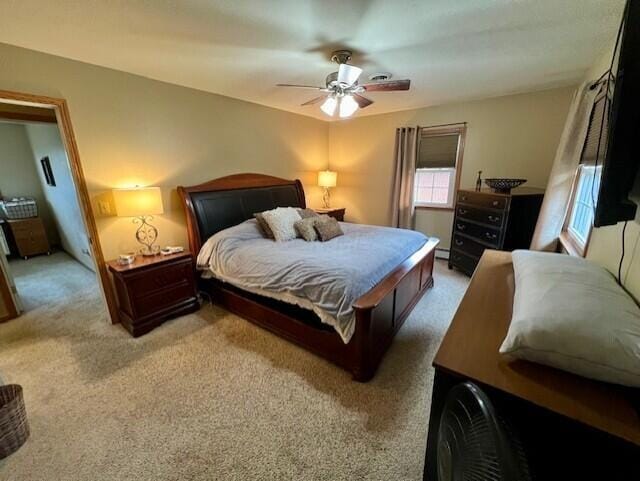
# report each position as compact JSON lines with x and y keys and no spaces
{"x":487,"y":235}
{"x":150,"y":281}
{"x":467,"y":246}
{"x":483,"y":200}
{"x":26,"y":225}
{"x":485,"y":216}
{"x":463,"y":262}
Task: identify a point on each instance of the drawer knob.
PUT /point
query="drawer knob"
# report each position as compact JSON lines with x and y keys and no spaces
{"x":462,"y":211}
{"x":464,"y":197}
{"x":461,"y":226}
{"x":456,"y":257}
{"x":495,"y":203}
{"x":494,"y":218}
{"x":489,"y":235}
{"x":459,"y":242}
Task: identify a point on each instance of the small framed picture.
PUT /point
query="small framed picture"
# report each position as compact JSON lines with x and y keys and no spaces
{"x":48,"y":173}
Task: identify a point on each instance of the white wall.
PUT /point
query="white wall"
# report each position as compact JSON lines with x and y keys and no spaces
{"x":46,"y":142}
{"x":510,"y":136}
{"x":19,"y":174}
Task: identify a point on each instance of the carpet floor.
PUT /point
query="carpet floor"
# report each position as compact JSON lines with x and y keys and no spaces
{"x":207,"y":396}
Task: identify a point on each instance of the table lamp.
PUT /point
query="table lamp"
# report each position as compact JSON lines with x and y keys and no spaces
{"x":142,"y":203}
{"x":327,"y":179}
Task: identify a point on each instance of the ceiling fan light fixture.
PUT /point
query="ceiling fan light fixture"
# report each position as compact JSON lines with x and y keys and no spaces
{"x":348,"y":106}
{"x":329,"y":106}
{"x":348,"y":74}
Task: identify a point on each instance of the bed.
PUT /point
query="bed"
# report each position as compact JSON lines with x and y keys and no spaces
{"x":226,"y":205}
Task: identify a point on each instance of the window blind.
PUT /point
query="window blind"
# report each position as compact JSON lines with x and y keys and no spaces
{"x":437,"y":151}
{"x":597,"y":133}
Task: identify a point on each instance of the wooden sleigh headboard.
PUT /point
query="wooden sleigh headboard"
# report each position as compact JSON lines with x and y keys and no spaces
{"x":227,"y":201}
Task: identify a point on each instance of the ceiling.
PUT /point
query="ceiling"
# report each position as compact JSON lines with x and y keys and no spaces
{"x":451,"y":50}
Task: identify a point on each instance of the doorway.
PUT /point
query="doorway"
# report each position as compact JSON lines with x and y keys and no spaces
{"x":49,"y":246}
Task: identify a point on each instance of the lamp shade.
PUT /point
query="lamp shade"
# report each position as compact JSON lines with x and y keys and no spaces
{"x":327,"y":178}
{"x":138,"y":201}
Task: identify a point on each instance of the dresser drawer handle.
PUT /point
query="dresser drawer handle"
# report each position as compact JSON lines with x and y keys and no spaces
{"x":491,"y":236}
{"x":462,"y":211}
{"x":495,"y":203}
{"x":461,"y":226}
{"x":493,"y":218}
{"x":463,"y":198}
{"x":456,"y":257}
{"x":459,"y":242}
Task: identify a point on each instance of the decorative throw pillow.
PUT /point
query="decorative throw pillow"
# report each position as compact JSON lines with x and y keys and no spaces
{"x":306,"y":213}
{"x":327,"y":228}
{"x":306,"y":228}
{"x":571,"y":314}
{"x":262,"y":224}
{"x":281,"y":221}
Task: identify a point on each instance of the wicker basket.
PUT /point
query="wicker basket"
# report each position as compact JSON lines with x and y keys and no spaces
{"x":14,"y":428}
{"x":22,"y":208}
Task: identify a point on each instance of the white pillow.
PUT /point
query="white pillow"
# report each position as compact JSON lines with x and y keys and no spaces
{"x":571,"y":314}
{"x":281,"y":221}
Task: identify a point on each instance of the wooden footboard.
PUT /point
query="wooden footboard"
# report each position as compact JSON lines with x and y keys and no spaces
{"x":379,"y":315}
{"x":383,"y":310}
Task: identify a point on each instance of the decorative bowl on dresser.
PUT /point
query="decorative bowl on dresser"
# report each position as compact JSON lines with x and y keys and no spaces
{"x":154,"y":289}
{"x":490,"y":220}
{"x":336,"y":212}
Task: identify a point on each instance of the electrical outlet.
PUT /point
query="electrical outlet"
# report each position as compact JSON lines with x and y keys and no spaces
{"x":104,"y":207}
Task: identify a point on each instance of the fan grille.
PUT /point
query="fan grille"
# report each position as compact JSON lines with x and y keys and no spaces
{"x":474,"y":444}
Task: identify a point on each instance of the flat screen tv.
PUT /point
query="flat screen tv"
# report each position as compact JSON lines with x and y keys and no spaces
{"x":621,"y":130}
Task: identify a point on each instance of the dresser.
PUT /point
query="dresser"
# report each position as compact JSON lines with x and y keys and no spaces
{"x":573,"y":428}
{"x":154,"y":289}
{"x":29,"y":236}
{"x":489,"y":220}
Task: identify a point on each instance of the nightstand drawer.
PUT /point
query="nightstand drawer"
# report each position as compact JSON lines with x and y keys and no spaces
{"x":463,"y":262}
{"x":163,"y":299}
{"x":483,"y":200}
{"x":159,"y":278}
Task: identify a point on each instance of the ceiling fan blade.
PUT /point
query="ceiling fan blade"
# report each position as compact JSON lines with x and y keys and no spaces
{"x":314,"y":101}
{"x":301,"y":86}
{"x":362,"y":101}
{"x":388,"y":86}
{"x":348,"y":74}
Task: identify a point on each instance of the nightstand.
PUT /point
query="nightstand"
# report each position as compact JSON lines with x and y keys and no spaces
{"x":335,"y":212}
{"x":153,"y":290}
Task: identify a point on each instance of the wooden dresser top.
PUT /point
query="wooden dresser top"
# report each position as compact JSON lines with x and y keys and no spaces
{"x":470,"y":349}
{"x":146,"y":261}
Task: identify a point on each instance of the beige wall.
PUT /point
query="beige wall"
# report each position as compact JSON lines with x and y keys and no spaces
{"x":511,"y":136}
{"x":62,"y":200}
{"x":18,"y":174}
{"x":135,"y":131}
{"x":605,"y":246}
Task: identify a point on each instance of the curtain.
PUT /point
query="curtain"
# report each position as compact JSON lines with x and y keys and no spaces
{"x":404,"y":155}
{"x":567,"y":159}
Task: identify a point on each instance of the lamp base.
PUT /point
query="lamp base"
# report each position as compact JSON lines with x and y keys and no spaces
{"x":326,"y":198}
{"x":147,"y":235}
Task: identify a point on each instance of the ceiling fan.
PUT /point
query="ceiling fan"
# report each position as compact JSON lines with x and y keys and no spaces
{"x":343,"y":93}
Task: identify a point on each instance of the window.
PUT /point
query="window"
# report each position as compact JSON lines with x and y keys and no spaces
{"x":438,"y":166}
{"x":580,"y":215}
{"x":586,"y":185}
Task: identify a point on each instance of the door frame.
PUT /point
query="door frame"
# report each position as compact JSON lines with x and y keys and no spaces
{"x":65,"y":127}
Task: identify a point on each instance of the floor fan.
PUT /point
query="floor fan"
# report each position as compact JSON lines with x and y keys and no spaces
{"x":474,"y":443}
